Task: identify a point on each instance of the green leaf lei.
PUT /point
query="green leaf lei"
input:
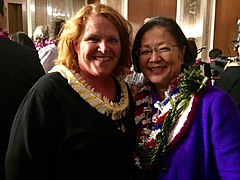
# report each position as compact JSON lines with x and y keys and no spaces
{"x":191,"y":82}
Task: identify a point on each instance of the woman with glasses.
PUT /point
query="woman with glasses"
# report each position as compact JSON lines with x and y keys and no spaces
{"x":185,"y":128}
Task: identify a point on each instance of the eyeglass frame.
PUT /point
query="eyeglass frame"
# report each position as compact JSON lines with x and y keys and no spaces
{"x":156,"y":49}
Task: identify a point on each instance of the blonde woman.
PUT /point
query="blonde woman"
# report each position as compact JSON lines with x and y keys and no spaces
{"x":77,"y":121}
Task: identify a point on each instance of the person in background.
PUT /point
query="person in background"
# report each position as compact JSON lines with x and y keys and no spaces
{"x":77,"y":121}
{"x":185,"y":129}
{"x":23,"y":39}
{"x":41,"y":36}
{"x":193,"y":47}
{"x":204,"y":66}
{"x":230,"y":79}
{"x":216,"y":67}
{"x":49,"y":53}
{"x":20,"y":69}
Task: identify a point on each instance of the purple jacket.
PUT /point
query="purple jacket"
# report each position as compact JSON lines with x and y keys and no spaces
{"x":211,"y":147}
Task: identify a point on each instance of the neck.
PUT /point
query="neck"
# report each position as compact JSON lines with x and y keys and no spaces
{"x":106,"y":86}
{"x":161,"y":94}
{"x":160,"y":89}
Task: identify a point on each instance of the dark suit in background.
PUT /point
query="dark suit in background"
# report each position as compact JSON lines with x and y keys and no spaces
{"x":230,"y":82}
{"x":20,"y":68}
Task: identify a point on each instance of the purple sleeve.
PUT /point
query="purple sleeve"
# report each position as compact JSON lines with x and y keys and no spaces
{"x":225,"y":132}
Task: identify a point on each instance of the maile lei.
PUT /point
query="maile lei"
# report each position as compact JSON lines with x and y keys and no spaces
{"x":154,"y":128}
{"x":3,"y":34}
{"x":116,"y":110}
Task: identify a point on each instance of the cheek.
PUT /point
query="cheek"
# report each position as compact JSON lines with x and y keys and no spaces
{"x":116,"y":50}
{"x":83,"y":50}
{"x":177,"y":66}
{"x":142,"y":64}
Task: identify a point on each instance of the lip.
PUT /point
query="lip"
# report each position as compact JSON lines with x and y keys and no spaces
{"x":102,"y":58}
{"x":157,"y":69}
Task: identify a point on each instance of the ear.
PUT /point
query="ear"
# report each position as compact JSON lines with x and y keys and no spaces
{"x":182,"y":53}
{"x":76,"y":45}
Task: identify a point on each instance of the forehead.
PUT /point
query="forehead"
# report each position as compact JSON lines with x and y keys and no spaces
{"x":101,"y":25}
{"x":157,"y":35}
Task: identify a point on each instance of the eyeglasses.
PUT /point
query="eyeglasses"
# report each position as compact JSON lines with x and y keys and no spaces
{"x":161,"y":50}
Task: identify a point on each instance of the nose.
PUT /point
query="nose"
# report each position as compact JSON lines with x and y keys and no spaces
{"x":154,"y":57}
{"x":103,"y":47}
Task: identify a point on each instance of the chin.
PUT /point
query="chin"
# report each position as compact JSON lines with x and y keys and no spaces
{"x":155,"y":81}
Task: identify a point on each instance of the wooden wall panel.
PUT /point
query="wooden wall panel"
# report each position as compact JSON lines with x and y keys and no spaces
{"x":77,"y":5}
{"x":15,"y":16}
{"x":40,"y":12}
{"x":141,"y":9}
{"x":166,"y":8}
{"x":138,"y":10}
{"x":227,"y":14}
{"x":21,"y":22}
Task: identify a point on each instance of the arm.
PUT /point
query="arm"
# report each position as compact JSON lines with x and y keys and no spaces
{"x":225,"y":132}
{"x":32,"y":139}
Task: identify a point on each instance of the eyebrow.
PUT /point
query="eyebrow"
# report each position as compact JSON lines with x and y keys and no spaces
{"x":161,"y":43}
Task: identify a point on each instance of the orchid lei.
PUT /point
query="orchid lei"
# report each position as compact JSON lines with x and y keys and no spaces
{"x":40,"y":45}
{"x":152,"y":142}
{"x":3,"y":34}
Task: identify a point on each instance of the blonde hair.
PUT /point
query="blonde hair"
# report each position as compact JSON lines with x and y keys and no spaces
{"x":74,"y":28}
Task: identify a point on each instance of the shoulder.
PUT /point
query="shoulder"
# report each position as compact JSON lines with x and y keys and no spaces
{"x":217,"y":100}
{"x":51,"y":80}
{"x":11,"y":47}
{"x":49,"y":51}
{"x":212,"y":93}
{"x":48,"y":48}
{"x":13,"y":50}
{"x":20,"y":59}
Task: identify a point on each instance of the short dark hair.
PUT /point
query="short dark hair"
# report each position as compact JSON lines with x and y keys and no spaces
{"x":55,"y":28}
{"x":2,"y":7}
{"x":193,"y":47}
{"x":22,"y":38}
{"x":173,"y":28}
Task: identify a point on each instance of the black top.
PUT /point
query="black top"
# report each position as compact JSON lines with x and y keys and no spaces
{"x":20,"y":69}
{"x":58,"y":135}
{"x":230,"y":82}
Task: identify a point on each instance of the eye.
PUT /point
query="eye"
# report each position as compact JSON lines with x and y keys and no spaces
{"x":145,"y":51}
{"x":164,"y":48}
{"x":92,"y":39}
{"x":113,"y":40}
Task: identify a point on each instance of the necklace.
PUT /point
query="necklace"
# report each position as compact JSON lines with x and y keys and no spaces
{"x":155,"y":133}
{"x":3,"y":34}
{"x":117,"y":110}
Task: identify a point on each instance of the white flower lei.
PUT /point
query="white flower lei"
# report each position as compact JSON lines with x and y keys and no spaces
{"x":95,"y":99}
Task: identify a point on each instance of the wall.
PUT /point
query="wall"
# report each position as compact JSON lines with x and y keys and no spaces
{"x":227,"y":14}
{"x":225,"y":28}
{"x":16,"y":17}
{"x":138,"y":10}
